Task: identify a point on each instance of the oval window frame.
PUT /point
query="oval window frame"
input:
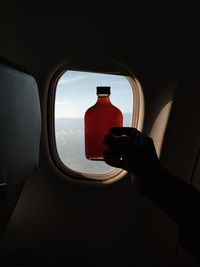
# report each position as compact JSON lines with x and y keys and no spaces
{"x":137,"y":122}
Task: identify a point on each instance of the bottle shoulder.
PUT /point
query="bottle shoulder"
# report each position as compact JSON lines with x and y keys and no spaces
{"x":90,"y":109}
{"x":116,"y":109}
{"x":98,"y":106}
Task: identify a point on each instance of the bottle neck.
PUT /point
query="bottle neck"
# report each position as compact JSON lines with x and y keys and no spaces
{"x":103,"y":99}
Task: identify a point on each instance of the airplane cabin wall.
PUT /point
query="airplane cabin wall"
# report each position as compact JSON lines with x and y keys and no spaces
{"x":54,"y":212}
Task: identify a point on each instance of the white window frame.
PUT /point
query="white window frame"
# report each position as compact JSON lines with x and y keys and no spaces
{"x":137,"y":122}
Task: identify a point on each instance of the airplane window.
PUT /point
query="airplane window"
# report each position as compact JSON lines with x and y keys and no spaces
{"x":75,"y":93}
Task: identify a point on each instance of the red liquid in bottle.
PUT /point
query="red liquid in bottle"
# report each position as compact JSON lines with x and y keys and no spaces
{"x":99,"y":119}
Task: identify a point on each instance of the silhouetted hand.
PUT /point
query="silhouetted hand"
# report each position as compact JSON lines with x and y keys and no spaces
{"x":132,"y":151}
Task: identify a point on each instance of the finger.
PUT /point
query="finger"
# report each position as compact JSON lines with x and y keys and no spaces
{"x":111,"y":155}
{"x":115,"y":163}
{"x":136,"y":137}
{"x":115,"y":143}
{"x":124,"y":131}
{"x":112,"y":158}
{"x":115,"y":160}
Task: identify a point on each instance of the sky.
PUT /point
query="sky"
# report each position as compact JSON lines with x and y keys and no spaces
{"x":76,"y":92}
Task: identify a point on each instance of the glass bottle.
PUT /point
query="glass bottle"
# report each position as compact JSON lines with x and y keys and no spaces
{"x":98,"y":121}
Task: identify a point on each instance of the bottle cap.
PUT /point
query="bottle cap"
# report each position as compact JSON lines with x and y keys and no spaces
{"x":103,"y":90}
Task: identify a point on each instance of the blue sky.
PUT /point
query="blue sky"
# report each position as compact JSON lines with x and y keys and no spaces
{"x":76,"y":92}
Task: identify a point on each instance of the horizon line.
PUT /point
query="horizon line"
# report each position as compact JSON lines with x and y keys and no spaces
{"x":56,"y":118}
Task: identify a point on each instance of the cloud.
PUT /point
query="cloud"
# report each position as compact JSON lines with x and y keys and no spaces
{"x":67,"y":80}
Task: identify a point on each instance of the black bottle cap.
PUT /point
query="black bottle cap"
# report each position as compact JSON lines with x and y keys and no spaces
{"x":103,"y":90}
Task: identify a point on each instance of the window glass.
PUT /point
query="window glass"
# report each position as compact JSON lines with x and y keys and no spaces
{"x":75,"y":93}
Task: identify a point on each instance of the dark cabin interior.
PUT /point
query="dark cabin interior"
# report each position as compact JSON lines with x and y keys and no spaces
{"x":50,"y":217}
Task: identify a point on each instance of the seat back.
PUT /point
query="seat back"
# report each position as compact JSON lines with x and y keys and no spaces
{"x":20,"y":124}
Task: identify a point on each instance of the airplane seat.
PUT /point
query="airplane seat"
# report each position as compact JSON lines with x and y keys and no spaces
{"x":20,"y":122}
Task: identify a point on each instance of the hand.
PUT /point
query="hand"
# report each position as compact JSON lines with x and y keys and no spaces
{"x":132,"y":151}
